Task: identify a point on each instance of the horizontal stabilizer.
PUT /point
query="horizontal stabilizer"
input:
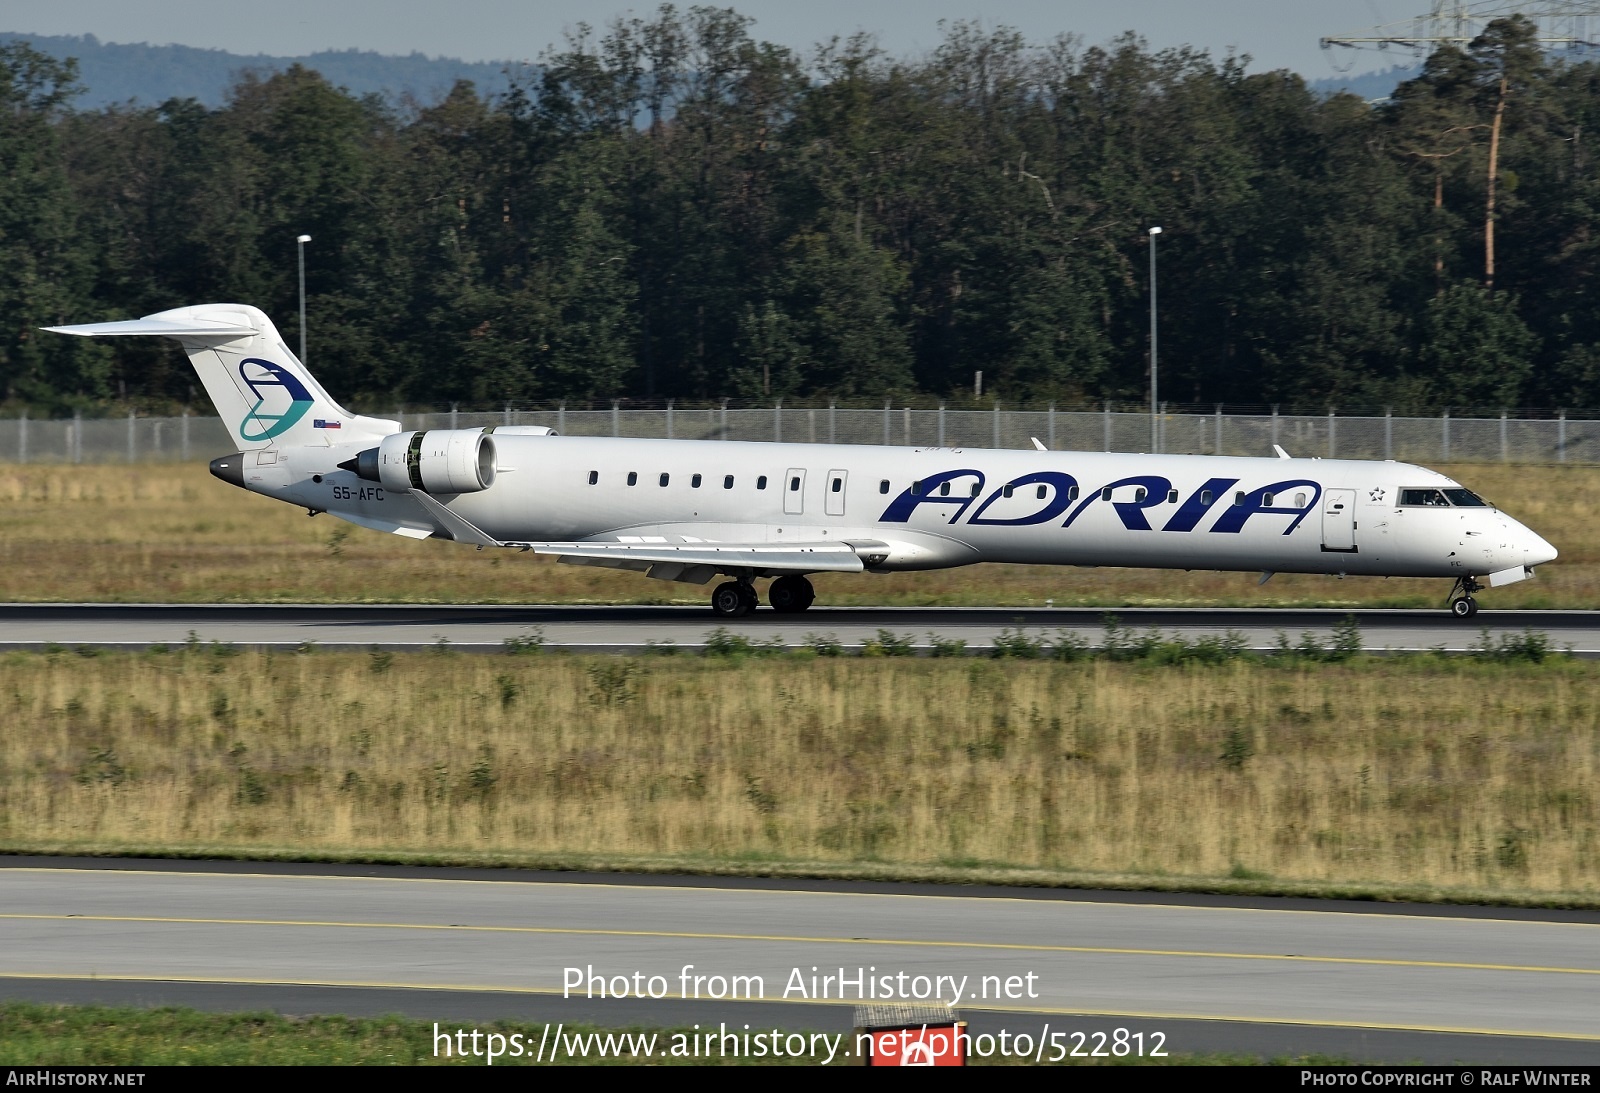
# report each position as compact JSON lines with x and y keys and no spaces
{"x":165,"y":328}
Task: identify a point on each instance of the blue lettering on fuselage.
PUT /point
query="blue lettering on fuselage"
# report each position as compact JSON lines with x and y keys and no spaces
{"x":1131,"y":512}
{"x":1199,"y":503}
{"x":1061,"y":485}
{"x":926,"y":492}
{"x":1252,"y":504}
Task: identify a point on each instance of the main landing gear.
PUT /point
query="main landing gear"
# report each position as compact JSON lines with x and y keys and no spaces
{"x":1464,"y":606}
{"x":788,"y":595}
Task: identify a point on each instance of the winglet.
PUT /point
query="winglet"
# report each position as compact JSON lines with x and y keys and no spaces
{"x":1281,"y":453}
{"x":1038,"y":446}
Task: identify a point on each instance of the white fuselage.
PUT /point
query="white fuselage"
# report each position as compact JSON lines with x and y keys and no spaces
{"x":939,"y":507}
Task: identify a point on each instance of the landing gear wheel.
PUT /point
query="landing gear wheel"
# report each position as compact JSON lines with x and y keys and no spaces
{"x":733,"y":600}
{"x":1465,"y":606}
{"x":790,"y":595}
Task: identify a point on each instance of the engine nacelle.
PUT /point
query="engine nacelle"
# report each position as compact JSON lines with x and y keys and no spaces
{"x":434,"y":461}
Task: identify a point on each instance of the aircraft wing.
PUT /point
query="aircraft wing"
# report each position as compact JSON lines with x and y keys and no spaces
{"x":693,"y":560}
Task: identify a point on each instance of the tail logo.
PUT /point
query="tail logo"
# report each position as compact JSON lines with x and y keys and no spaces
{"x":281,"y":399}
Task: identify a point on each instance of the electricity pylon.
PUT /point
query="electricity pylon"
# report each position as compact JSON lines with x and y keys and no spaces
{"x":1563,"y":24}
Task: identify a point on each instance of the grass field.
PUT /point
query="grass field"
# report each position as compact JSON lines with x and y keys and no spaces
{"x":1462,"y":778}
{"x":172,"y":533}
{"x":36,"y":1035}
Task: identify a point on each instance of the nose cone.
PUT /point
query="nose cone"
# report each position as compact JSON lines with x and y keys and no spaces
{"x":1538,"y":550}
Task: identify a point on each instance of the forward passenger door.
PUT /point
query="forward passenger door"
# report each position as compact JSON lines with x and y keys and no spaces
{"x":833,"y":500}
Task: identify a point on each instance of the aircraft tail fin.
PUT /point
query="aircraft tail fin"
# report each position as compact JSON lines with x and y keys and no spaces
{"x":264,"y":394}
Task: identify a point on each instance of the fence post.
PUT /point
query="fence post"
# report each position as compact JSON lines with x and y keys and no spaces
{"x":1108,"y":424}
{"x":455,"y":415}
{"x":886,"y":421}
{"x":507,"y":414}
{"x":1217,"y":440}
{"x":183,"y":435}
{"x":77,"y":436}
{"x":561,"y":417}
{"x":1446,"y":422}
{"x":777,"y":422}
{"x":941,"y":424}
{"x":130,"y":436}
{"x":1561,"y":437}
{"x":1388,"y":432}
{"x":669,"y":419}
{"x":1503,"y":456}
{"x":996,"y":443}
{"x":22,"y":438}
{"x":1161,"y":429}
{"x":1274,"y":425}
{"x":1331,"y":446}
{"x":616,"y":417}
{"x":906,"y":421}
{"x":811,"y":423}
{"x":724,"y":419}
{"x":400,"y":417}
{"x":833,"y":434}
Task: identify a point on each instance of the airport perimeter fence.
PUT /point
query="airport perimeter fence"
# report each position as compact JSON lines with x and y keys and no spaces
{"x":1442,"y":439}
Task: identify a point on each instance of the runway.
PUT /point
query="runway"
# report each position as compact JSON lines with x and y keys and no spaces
{"x":641,"y":629}
{"x":1274,"y":977}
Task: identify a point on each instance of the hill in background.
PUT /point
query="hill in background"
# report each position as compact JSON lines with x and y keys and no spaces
{"x":114,"y":72}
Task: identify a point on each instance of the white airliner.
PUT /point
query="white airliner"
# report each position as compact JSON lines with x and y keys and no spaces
{"x":689,"y":510}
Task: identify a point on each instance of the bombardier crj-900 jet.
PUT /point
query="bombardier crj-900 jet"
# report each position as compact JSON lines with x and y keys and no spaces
{"x":690,"y":510}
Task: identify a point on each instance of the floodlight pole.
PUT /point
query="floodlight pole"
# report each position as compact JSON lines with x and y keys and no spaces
{"x":300,"y":245}
{"x":1155,"y":421}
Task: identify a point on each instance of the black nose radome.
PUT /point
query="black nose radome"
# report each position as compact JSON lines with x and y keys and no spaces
{"x":230,"y":468}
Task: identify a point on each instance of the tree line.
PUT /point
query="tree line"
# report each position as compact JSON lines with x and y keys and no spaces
{"x":669,"y":207}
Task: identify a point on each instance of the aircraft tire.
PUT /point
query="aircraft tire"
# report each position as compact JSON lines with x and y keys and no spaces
{"x":791,"y":595}
{"x":1464,"y":608}
{"x":731,"y":600}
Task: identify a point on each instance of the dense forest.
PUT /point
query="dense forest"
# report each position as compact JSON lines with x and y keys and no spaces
{"x":671,"y":208}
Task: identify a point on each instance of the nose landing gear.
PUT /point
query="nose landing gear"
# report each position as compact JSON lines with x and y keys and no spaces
{"x":1464,"y":606}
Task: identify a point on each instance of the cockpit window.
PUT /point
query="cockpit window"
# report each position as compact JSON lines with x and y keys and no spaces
{"x":1466,"y":498}
{"x":1428,"y":498}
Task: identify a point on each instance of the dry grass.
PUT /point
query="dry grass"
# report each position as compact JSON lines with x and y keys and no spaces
{"x":172,"y":533}
{"x":1423,"y":772}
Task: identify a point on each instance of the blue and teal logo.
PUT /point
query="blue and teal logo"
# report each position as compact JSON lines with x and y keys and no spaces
{"x":281,"y":399}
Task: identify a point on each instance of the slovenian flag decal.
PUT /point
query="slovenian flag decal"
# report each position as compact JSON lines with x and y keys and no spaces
{"x":323,"y":423}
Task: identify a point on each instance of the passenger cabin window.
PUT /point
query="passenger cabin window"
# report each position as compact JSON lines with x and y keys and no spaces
{"x":1072,"y":492}
{"x":794,"y":484}
{"x":883,"y":487}
{"x":1172,"y":497}
{"x":727,"y":482}
{"x":1139,"y":495}
{"x":974,"y":489}
{"x":1466,"y":499}
{"x":1299,"y":500}
{"x":665,"y":478}
{"x":761,"y":482}
{"x":944,"y":489}
{"x":1206,"y":497}
{"x":594,"y":477}
{"x":838,"y":484}
{"x":1429,"y":498}
{"x":1006,"y":490}
{"x":1041,"y":491}
{"x":1105,"y":494}
{"x":694,"y":483}
{"x":916,"y":489}
{"x":1266,"y":500}
{"x":1238,"y":498}
{"x":633,"y":478}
